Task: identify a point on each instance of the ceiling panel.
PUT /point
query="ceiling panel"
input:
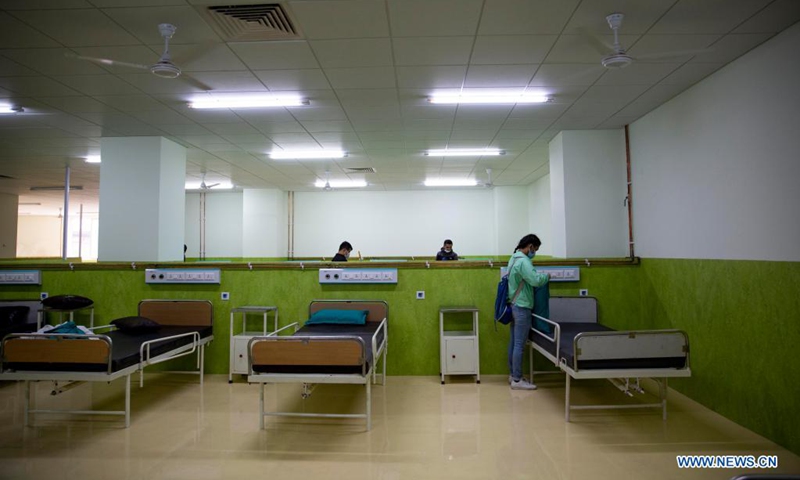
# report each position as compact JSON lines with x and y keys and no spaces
{"x":730,"y":47}
{"x":638,"y":74}
{"x":275,"y":55}
{"x":775,"y":17}
{"x":432,"y":50}
{"x":524,"y":17}
{"x":334,"y":19}
{"x":665,"y":44}
{"x":77,"y":28}
{"x":366,"y":77}
{"x":479,"y":76}
{"x":640,"y":15}
{"x":434,"y":18}
{"x":278,"y":80}
{"x":143,"y":23}
{"x":511,"y":49}
{"x":577,"y":49}
{"x":17,"y":34}
{"x":706,"y":16}
{"x":567,"y":74}
{"x":375,"y":52}
{"x":99,"y":84}
{"x":36,"y":86}
{"x":50,"y":61}
{"x":448,"y":76}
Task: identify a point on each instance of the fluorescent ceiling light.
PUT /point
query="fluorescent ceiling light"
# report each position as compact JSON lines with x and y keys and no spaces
{"x":306,"y":154}
{"x":10,"y":109}
{"x":465,"y":152}
{"x":498,"y":98}
{"x":342,"y":183}
{"x":451,"y":182}
{"x":93,"y":159}
{"x":245,"y":102}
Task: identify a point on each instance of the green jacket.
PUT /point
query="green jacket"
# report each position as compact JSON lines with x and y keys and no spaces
{"x":523,"y":271}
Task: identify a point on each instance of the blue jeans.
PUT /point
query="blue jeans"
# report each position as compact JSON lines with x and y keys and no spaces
{"x":520,"y":327}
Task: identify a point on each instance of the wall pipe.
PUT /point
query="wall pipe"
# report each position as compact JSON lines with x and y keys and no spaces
{"x":65,"y":220}
{"x":629,"y":198}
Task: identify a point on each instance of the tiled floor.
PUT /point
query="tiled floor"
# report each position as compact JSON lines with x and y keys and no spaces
{"x":421,"y":430}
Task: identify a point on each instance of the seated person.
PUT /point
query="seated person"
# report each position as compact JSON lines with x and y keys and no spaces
{"x":344,"y":252}
{"x":447,"y":253}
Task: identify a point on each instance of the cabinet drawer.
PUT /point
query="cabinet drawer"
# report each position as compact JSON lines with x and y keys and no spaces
{"x":460,"y":355}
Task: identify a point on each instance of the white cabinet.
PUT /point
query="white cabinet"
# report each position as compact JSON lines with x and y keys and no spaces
{"x":458,"y":349}
{"x":239,"y":353}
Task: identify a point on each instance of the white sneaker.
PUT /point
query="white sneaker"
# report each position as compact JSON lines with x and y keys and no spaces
{"x":510,"y":379}
{"x":522,"y":384}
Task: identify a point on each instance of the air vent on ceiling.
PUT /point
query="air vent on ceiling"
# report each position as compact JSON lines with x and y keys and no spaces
{"x":251,"y":23}
{"x":360,"y":170}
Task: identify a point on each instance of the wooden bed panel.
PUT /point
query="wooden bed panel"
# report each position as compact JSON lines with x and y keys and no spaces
{"x":49,"y":350}
{"x":179,"y":313}
{"x":321,"y":352}
{"x":378,"y":309}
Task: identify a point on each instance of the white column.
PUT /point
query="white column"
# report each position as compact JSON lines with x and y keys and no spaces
{"x":264,"y":223}
{"x":588,"y":186}
{"x":9,"y":208}
{"x":142,"y":202}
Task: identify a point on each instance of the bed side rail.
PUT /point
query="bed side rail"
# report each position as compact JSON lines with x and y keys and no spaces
{"x":47,"y":348}
{"x":308,"y":351}
{"x":631,"y":344}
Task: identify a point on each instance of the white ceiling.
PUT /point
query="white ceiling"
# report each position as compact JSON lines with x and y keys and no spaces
{"x":366,"y":67}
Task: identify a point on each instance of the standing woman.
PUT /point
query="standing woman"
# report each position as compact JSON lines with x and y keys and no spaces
{"x":522,"y":277}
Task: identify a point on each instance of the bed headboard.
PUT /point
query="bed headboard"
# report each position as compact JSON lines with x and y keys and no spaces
{"x":179,"y":313}
{"x":573,"y":309}
{"x":378,"y":309}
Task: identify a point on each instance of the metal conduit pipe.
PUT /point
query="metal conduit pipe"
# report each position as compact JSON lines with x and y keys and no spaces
{"x":629,"y":198}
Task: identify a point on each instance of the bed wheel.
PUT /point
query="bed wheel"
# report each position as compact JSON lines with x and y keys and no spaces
{"x":230,"y":381}
{"x":442,"y":382}
{"x":478,"y":382}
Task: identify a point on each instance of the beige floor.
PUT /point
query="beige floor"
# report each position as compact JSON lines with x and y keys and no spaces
{"x":421,"y":430}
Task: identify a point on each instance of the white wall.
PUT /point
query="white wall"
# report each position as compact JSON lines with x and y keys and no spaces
{"x":511,"y":218}
{"x":540,"y":216}
{"x":265,"y":223}
{"x":38,"y":236}
{"x":395,"y":223}
{"x":9,"y":205}
{"x":223,"y":224}
{"x":716,"y":169}
{"x":588,"y":175}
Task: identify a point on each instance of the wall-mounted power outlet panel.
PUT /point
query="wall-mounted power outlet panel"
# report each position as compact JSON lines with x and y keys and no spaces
{"x":357,"y":275}
{"x":20,"y":277}
{"x":182,"y":275}
{"x":557,"y":274}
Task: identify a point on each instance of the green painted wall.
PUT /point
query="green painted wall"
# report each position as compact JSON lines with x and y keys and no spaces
{"x":743,"y":320}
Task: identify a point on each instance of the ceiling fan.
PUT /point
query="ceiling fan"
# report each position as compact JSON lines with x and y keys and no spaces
{"x":204,"y":187}
{"x":618,"y":56}
{"x":163,"y":68}
{"x":327,"y":186}
{"x":488,"y":183}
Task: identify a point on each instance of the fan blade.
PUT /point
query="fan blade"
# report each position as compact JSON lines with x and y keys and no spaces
{"x":188,"y":53}
{"x":195,"y":82}
{"x":109,"y":62}
{"x":602,"y":47}
{"x":676,"y":53}
{"x":212,"y":185}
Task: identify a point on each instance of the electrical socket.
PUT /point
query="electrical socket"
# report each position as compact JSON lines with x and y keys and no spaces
{"x":583,"y":292}
{"x":225,"y":296}
{"x":43,"y":295}
{"x":420,"y":294}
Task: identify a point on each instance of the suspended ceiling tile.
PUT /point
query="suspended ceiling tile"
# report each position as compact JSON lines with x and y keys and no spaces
{"x":341,"y":19}
{"x":17,"y":34}
{"x":367,"y":77}
{"x":293,"y":80}
{"x":132,"y":103}
{"x":77,"y":28}
{"x":231,"y":81}
{"x":350,"y":53}
{"x":511,"y":49}
{"x":662,"y":45}
{"x":730,"y":47}
{"x":775,"y":17}
{"x":432,"y":50}
{"x":707,"y":16}
{"x":567,"y":74}
{"x":448,"y":76}
{"x":204,"y":57}
{"x":691,"y":73}
{"x":275,"y":55}
{"x":638,"y":74}
{"x":36,"y":86}
{"x":143,"y":23}
{"x":434,"y":18}
{"x":98,"y":84}
{"x":577,"y":49}
{"x":481,"y":76}
{"x":524,"y":17}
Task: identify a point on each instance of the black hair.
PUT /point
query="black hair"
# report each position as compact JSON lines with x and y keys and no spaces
{"x":529,"y":239}
{"x":346,"y":245}
{"x":448,"y":242}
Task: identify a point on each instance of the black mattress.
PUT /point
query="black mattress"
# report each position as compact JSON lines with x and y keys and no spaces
{"x":124,"y":350}
{"x":365,"y":332}
{"x":568,"y":332}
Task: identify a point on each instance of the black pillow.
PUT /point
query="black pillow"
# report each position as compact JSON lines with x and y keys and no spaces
{"x":67,"y":302}
{"x":136,"y":324}
{"x":14,"y":315}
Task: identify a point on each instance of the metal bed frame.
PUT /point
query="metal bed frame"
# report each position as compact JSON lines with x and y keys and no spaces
{"x":76,"y":378}
{"x":610,"y":345}
{"x":366,"y":377}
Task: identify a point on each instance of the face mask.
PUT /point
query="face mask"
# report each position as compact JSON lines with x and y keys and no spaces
{"x":531,"y":254}
{"x":347,"y":255}
{"x":448,"y":249}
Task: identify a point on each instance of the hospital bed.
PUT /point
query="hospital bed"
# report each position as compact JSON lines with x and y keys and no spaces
{"x":584,"y":349}
{"x":69,"y":360}
{"x":323,"y":354}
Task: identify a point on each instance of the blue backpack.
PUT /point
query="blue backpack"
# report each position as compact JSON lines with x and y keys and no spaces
{"x":502,"y":307}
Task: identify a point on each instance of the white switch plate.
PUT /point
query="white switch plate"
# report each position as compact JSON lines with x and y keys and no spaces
{"x":420,"y":294}
{"x":20,"y":277}
{"x":182,"y":275}
{"x":357,"y":275}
